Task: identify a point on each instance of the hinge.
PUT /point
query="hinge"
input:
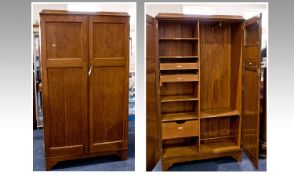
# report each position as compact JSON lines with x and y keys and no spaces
{"x":156,"y":25}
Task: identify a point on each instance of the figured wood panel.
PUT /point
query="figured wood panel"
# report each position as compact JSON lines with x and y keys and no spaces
{"x":64,"y":75}
{"x":152,"y":118}
{"x":108,"y":78}
{"x":108,"y":40}
{"x":215,"y":66}
{"x":60,"y":41}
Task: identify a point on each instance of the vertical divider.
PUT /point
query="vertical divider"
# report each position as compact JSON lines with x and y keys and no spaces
{"x":199,"y":70}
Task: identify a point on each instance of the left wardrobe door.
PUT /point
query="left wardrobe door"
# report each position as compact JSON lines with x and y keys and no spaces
{"x":65,"y":70}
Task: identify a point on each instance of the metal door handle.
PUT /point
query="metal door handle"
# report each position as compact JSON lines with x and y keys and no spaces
{"x":90,"y":71}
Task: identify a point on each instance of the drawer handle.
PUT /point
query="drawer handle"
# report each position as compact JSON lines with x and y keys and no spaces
{"x":180,"y":128}
{"x":179,"y":66}
{"x":179,"y":78}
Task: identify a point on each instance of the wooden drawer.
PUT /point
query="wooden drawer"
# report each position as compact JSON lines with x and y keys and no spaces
{"x":176,"y":130}
{"x":178,"y":66}
{"x":179,"y":78}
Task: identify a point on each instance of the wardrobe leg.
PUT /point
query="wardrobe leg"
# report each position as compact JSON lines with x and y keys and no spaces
{"x":123,"y":154}
{"x":166,"y":164}
{"x":50,"y":163}
{"x":237,"y":156}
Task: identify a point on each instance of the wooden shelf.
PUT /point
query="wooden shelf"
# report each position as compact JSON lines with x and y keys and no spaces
{"x":173,"y":98}
{"x":180,"y":151}
{"x":219,"y":113}
{"x":178,"y":39}
{"x":218,"y":146}
{"x":179,"y":66}
{"x":178,"y":116}
{"x":177,"y":57}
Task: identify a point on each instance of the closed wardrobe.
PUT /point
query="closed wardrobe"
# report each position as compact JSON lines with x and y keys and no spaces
{"x":203,"y":75}
{"x":85,"y":67}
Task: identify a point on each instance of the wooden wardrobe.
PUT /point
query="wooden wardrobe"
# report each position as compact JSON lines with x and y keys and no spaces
{"x":85,"y":67}
{"x":202,"y":88}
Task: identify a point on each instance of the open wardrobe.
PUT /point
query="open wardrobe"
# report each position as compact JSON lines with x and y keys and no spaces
{"x":203,"y":76}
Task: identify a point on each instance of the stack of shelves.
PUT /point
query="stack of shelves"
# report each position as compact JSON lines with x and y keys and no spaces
{"x":179,"y":86}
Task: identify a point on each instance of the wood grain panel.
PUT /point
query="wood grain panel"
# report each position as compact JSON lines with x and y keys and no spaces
{"x":108,"y":40}
{"x":64,"y":80}
{"x":65,"y":104}
{"x":215,"y":66}
{"x":108,"y":88}
{"x":107,"y":116}
{"x":152,"y":108}
{"x":251,"y":89}
{"x":60,"y":43}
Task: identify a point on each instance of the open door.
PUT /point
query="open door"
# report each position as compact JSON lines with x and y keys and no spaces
{"x":153,"y":131}
{"x":251,"y":82}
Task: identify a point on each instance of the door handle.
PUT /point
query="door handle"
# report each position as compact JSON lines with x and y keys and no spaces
{"x":90,"y":70}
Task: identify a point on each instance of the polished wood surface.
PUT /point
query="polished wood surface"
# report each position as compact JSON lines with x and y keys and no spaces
{"x":64,"y":75}
{"x":109,"y":61}
{"x":251,"y":82}
{"x":209,"y":93}
{"x":66,"y":43}
{"x":152,"y":117}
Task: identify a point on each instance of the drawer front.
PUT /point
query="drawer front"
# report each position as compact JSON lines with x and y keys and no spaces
{"x":179,"y":78}
{"x":178,"y":66}
{"x":176,"y":130}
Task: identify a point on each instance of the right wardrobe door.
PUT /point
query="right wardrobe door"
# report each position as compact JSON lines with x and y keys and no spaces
{"x":108,"y":83}
{"x":251,"y":80}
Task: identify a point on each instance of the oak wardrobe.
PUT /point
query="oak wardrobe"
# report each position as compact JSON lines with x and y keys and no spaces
{"x":85,"y":67}
{"x":202,"y":87}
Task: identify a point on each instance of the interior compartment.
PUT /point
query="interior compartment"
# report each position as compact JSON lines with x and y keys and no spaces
{"x":178,"y":48}
{"x":179,"y":106}
{"x":220,"y":133}
{"x":177,"y":29}
{"x":179,"y":88}
{"x":221,"y":66}
{"x":180,"y":147}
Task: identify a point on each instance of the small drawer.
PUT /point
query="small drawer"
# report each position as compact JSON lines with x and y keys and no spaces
{"x":179,"y":78}
{"x":180,"y":129}
{"x":178,"y":66}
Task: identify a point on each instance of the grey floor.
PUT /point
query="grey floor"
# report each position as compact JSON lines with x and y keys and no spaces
{"x":112,"y":163}
{"x":219,"y":164}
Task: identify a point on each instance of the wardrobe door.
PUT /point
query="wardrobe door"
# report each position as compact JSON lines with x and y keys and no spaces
{"x":251,"y":81}
{"x":64,"y":71}
{"x":108,"y":78}
{"x":153,"y":136}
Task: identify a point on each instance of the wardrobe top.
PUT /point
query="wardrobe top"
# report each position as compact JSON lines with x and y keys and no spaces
{"x":181,"y":16}
{"x":65,"y":12}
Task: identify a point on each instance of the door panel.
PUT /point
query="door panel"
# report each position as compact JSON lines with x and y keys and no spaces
{"x":65,"y":84}
{"x":153,"y":148}
{"x":251,"y":80}
{"x":108,"y":88}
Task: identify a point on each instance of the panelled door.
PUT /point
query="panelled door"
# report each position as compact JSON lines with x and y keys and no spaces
{"x":153,"y":136}
{"x":251,"y":82}
{"x":65,"y":68}
{"x":108,"y":82}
